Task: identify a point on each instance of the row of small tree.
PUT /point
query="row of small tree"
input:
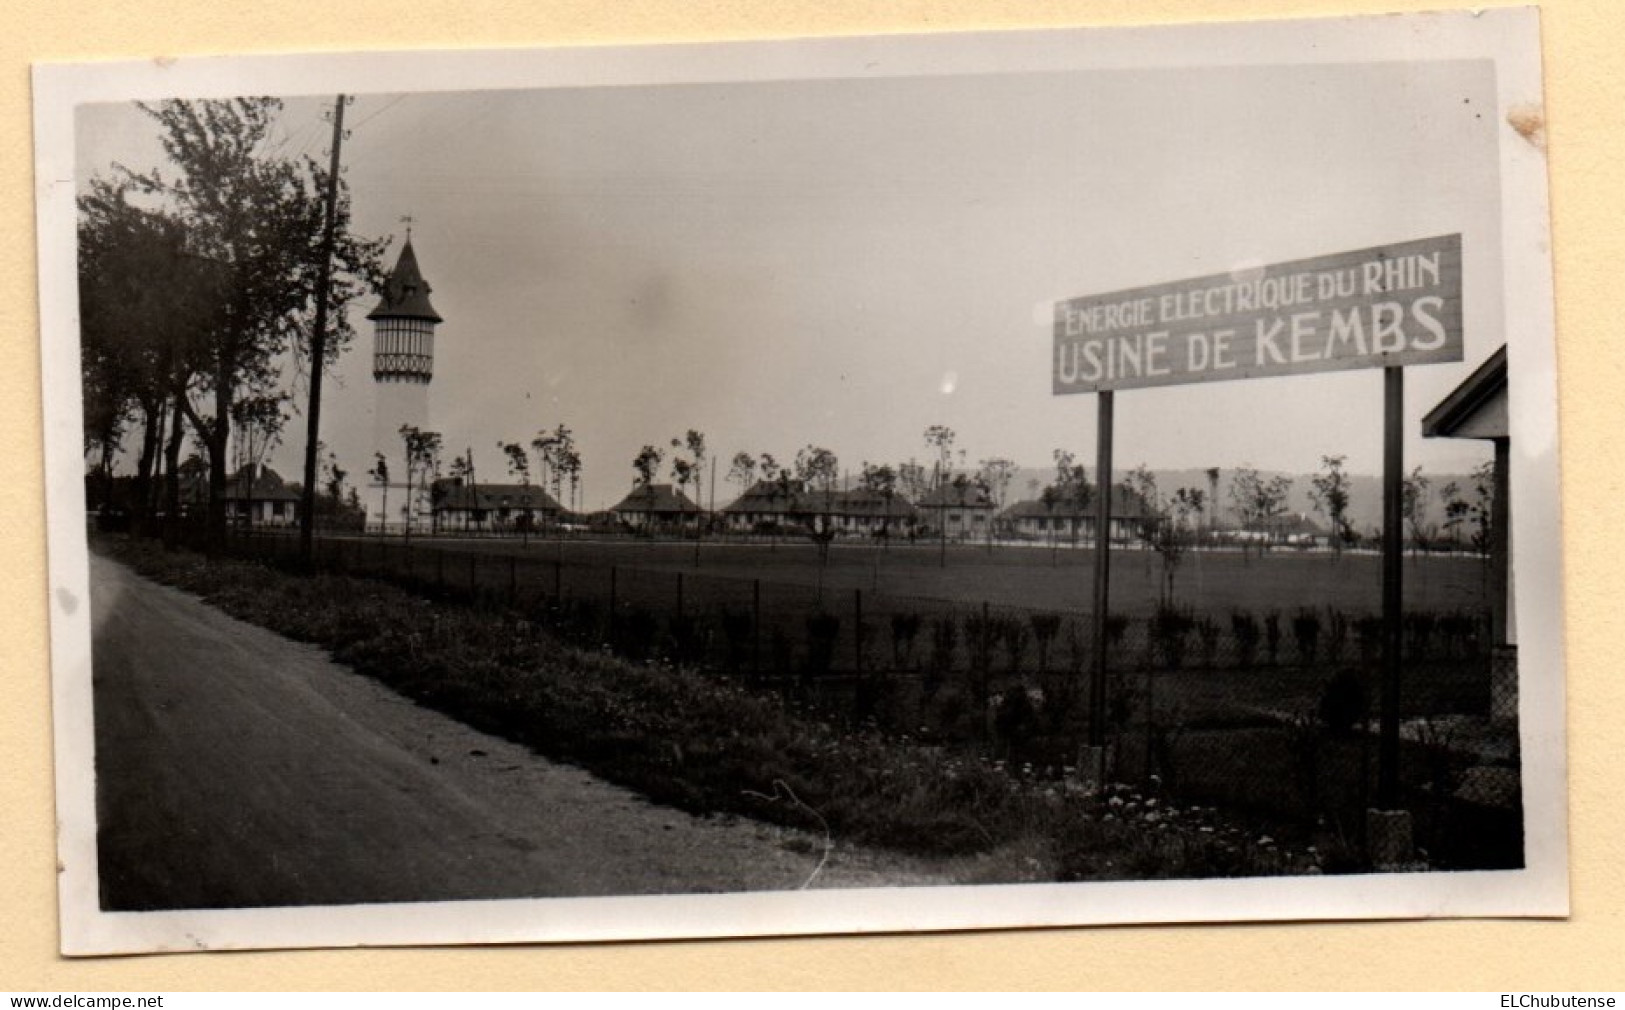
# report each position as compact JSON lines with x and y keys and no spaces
{"x":556,"y":458}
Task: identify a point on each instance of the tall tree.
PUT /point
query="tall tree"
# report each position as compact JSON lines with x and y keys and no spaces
{"x":147,"y":305}
{"x":647,"y":464}
{"x":519,"y":466}
{"x":818,"y":469}
{"x":462,"y":472}
{"x":1482,"y":511}
{"x":259,"y":420}
{"x":743,"y":471}
{"x":1069,"y":490}
{"x":545,"y":446}
{"x":572,"y":470}
{"x":1413,"y":507}
{"x":333,"y":480}
{"x":1258,"y":501}
{"x":881,"y":479}
{"x":258,"y":219}
{"x":996,"y":475}
{"x":566,"y":460}
{"x":1456,"y":510}
{"x":912,"y":479}
{"x":1170,"y":529}
{"x":1330,"y":493}
{"x":380,"y":476}
{"x":422,"y":449}
{"x":1212,"y":473}
{"x":688,"y":470}
{"x":941,"y":438}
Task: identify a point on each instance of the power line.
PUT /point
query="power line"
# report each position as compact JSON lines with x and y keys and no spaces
{"x":380,"y":112}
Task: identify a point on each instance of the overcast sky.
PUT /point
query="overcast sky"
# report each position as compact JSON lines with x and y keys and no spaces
{"x":846,"y":262}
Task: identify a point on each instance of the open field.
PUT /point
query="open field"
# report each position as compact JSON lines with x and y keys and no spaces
{"x":1034,"y":577}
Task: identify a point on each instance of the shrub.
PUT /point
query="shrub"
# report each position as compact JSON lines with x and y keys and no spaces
{"x":822,"y":631}
{"x":783,"y":653}
{"x":1343,"y":702}
{"x":1045,"y":627}
{"x":1337,"y":634}
{"x":863,"y":633}
{"x":1116,"y":628}
{"x":688,"y":640}
{"x":1245,"y":627}
{"x":944,"y":642}
{"x":1306,"y":632}
{"x":1207,"y":633}
{"x":1368,"y":632}
{"x":905,"y":628}
{"x":737,"y":627}
{"x":1419,"y":627}
{"x":980,"y":635}
{"x":635,"y":634}
{"x":1014,"y":633}
{"x":1169,"y":628}
{"x":1015,"y":719}
{"x":1459,"y":631}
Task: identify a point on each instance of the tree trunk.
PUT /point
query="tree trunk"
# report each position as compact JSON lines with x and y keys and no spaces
{"x":172,"y":477}
{"x":151,"y":440}
{"x":218,"y":436}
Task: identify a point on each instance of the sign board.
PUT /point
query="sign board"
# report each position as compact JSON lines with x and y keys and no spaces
{"x":1371,"y":308}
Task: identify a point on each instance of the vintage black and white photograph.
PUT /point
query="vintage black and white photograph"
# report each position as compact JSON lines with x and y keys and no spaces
{"x":867,"y":484}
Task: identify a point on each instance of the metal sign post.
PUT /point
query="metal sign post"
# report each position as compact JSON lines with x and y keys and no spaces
{"x":1383,"y":307}
{"x":1393,"y":585}
{"x":1095,"y":766}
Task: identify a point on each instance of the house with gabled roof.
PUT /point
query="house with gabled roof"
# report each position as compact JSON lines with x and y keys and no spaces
{"x":657,"y":506}
{"x":476,"y":505}
{"x":256,"y":495}
{"x":958,"y":510}
{"x":1065,"y":521}
{"x":857,"y":511}
{"x":769,"y":503}
{"x":1478,"y":409}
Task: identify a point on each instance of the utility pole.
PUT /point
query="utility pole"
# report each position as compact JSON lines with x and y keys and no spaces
{"x":318,"y":343}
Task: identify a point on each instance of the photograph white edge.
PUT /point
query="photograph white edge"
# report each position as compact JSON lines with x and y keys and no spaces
{"x":1507,"y":36}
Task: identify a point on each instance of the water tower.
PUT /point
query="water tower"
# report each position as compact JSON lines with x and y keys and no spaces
{"x":402,"y":365}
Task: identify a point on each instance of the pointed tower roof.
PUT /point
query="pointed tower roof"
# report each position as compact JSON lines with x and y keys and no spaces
{"x":406,"y":293}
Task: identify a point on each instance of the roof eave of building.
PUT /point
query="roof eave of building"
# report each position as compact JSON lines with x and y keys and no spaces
{"x":1488,"y":379}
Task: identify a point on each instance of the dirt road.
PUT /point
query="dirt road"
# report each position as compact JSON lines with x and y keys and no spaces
{"x":236,"y":768}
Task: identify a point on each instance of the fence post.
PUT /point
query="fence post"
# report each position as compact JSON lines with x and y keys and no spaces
{"x":558,"y":579}
{"x":513,"y":581}
{"x":756,"y":626}
{"x":440,"y":570}
{"x":613,"y":578}
{"x":473,"y":575}
{"x":985,"y":677}
{"x":679,"y":596}
{"x":857,"y":630}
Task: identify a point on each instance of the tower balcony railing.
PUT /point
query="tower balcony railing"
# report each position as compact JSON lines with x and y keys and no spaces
{"x":409,"y":367}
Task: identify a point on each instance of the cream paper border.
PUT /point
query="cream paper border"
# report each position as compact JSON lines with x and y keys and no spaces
{"x":1535,"y":378}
